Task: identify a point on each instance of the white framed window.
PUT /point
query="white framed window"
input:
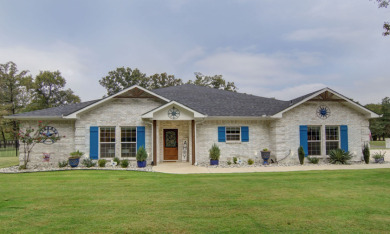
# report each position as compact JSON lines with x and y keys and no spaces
{"x":332,"y":138}
{"x":128,"y":142}
{"x":107,"y":142}
{"x":314,"y":140}
{"x":233,"y":134}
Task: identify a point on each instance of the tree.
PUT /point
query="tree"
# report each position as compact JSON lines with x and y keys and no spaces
{"x":216,"y":82}
{"x":380,"y":127}
{"x":122,"y":78}
{"x":49,"y":91}
{"x":386,"y":25}
{"x":12,"y":96}
{"x":163,"y":80}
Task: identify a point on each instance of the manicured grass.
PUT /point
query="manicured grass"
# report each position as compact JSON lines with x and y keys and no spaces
{"x":8,"y":161}
{"x":378,"y":144}
{"x":353,"y":201}
{"x":7,"y":152}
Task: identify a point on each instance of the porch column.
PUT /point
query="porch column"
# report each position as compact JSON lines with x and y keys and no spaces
{"x":193,"y":141}
{"x":155,"y":142}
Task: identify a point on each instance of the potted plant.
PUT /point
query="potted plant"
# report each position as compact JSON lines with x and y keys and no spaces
{"x":214,"y":154}
{"x":379,"y":157}
{"x":74,"y":158}
{"x":141,"y":157}
{"x":265,"y":155}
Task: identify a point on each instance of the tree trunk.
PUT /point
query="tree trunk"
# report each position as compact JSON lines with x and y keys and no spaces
{"x":4,"y":141}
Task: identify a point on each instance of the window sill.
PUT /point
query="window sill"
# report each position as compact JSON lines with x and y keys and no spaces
{"x":233,"y":142}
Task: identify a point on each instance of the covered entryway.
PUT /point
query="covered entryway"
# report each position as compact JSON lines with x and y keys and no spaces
{"x":171,"y":152}
{"x":173,"y":132}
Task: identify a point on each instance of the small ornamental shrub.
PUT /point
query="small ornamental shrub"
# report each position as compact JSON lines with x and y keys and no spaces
{"x":88,"y":162}
{"x":235,"y":160}
{"x":229,"y":163}
{"x":313,"y":160}
{"x":141,"y":154}
{"x":366,"y":153}
{"x":62,"y":164}
{"x":118,"y":161}
{"x":250,"y":161}
{"x":125,"y":163}
{"x":102,"y":162}
{"x":339,"y":156}
{"x":215,"y":152}
{"x":301,"y":155}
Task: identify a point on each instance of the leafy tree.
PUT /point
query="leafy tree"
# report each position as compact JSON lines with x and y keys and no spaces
{"x":216,"y":82}
{"x":12,"y":96}
{"x":163,"y":80}
{"x":49,"y":91}
{"x":122,"y":78}
{"x":380,"y":127}
{"x":386,"y":25}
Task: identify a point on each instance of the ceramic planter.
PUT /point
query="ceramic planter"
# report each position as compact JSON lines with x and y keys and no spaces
{"x":74,"y":162}
{"x":379,"y":160}
{"x":214,"y":162}
{"x":141,"y":163}
{"x":265,"y":155}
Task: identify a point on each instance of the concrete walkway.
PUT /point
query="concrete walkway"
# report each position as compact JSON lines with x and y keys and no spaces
{"x":187,"y":168}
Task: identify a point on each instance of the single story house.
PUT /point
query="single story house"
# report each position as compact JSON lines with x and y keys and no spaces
{"x":181,"y":123}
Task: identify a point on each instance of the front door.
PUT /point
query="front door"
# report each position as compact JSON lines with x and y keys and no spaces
{"x":170,"y":144}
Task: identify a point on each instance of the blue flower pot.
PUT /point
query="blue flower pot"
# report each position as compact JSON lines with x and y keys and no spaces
{"x":141,"y":163}
{"x":74,"y":162}
{"x":214,"y":162}
{"x":265,"y":155}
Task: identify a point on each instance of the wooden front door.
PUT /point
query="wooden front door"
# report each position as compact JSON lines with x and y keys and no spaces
{"x":170,"y":144}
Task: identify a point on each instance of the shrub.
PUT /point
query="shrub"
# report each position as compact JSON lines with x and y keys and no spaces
{"x":250,"y":161}
{"x":117,"y":160}
{"x":313,"y":160}
{"x":265,"y":149}
{"x":88,"y":162}
{"x":235,"y":160}
{"x":301,"y":155}
{"x":229,"y":163}
{"x":22,"y":167}
{"x":366,"y":153}
{"x":141,"y":154}
{"x":102,"y":162}
{"x":215,"y":152}
{"x":339,"y":156}
{"x":125,"y":163}
{"x":62,"y":164}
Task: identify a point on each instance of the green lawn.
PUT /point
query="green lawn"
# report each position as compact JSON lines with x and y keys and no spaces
{"x":8,"y":161}
{"x":377,"y":144}
{"x":123,"y":201}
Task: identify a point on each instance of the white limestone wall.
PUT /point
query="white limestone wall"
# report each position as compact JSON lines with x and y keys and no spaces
{"x":207,"y":135}
{"x":286,"y":130}
{"x":59,"y":151}
{"x":116,"y":113}
{"x":183,"y":128}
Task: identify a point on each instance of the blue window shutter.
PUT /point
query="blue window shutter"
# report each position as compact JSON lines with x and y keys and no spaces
{"x":140,"y":136}
{"x":94,"y":142}
{"x":344,"y":137}
{"x":245,"y":134}
{"x":303,"y":138}
{"x":221,"y":134}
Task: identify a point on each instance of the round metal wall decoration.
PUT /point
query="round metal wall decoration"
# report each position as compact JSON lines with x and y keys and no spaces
{"x":49,"y":131}
{"x":173,"y":113}
{"x":323,"y":112}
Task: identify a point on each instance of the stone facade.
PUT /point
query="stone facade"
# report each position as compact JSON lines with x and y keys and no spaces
{"x":281,"y":136}
{"x":59,"y":151}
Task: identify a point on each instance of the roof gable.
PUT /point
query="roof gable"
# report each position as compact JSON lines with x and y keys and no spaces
{"x":328,"y":95}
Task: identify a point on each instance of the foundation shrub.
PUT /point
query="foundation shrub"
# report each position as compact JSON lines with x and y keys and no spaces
{"x":235,"y":160}
{"x":301,"y":155}
{"x":125,"y":163}
{"x":62,"y":164}
{"x":102,"y":162}
{"x":250,"y":161}
{"x":339,"y":156}
{"x":88,"y":162}
{"x":118,"y":161}
{"x":366,"y":153}
{"x":313,"y":160}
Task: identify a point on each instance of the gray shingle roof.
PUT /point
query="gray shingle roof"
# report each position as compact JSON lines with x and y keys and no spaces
{"x":208,"y":101}
{"x":56,"y":111}
{"x":215,"y":102}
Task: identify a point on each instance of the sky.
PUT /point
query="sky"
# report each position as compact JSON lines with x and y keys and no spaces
{"x":282,"y":49}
